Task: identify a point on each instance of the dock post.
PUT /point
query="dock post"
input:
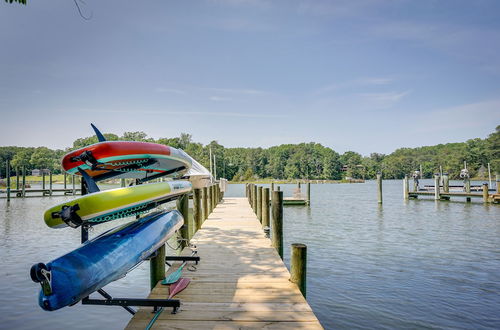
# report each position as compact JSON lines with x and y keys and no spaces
{"x":254,"y":198}
{"x":406,"y":186}
{"x":485,"y":192}
{"x":379,"y":187}
{"x":73,"y":182}
{"x":122,"y":183}
{"x":65,"y":181}
{"x":157,"y":267}
{"x":277,"y":222}
{"x":24,"y":181}
{"x":209,"y":200}
{"x":415,"y":185}
{"x":272,"y":187}
{"x":298,"y":266}
{"x":308,"y":193}
{"x":204,"y":203}
{"x":50,"y":183}
{"x":436,"y":186}
{"x":250,"y":190}
{"x":214,"y":195}
{"x":197,"y":210}
{"x":259,"y":203}
{"x":183,"y":208}
{"x":17,"y":179}
{"x":446,"y":183}
{"x":7,"y":176}
{"x":265,"y":207}
{"x":497,"y":179}
{"x":467,"y":188}
{"x":43,"y":181}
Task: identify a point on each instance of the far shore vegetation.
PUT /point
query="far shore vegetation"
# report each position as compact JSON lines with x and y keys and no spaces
{"x":290,"y":162}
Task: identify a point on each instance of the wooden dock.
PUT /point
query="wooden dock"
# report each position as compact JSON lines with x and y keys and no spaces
{"x":240,"y":282}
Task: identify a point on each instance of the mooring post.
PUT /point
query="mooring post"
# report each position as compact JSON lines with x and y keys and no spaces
{"x":214,"y":195}
{"x":446,"y":183}
{"x":204,"y":203}
{"x":265,"y":207}
{"x":65,"y":181}
{"x":197,"y":211}
{"x":277,"y":222}
{"x":43,"y":181}
{"x":24,"y":181}
{"x":436,"y":186}
{"x":157,"y":267}
{"x":379,"y":187}
{"x":73,"y":177}
{"x":17,"y":179}
{"x":406,"y":186}
{"x":272,"y":187}
{"x":183,"y":208}
{"x":7,"y":176}
{"x":298,"y":266}
{"x":50,"y":183}
{"x":485,"y":193}
{"x":209,"y":200}
{"x":467,"y":188}
{"x":259,"y":203}
{"x":254,"y":199}
{"x":308,"y":193}
{"x":122,"y":183}
{"x":497,"y":179}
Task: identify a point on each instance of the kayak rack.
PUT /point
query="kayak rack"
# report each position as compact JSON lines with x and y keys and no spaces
{"x":196,"y":259}
{"x":127,"y":302}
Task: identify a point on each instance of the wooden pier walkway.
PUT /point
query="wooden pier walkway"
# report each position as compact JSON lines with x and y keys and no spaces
{"x":240,"y":282}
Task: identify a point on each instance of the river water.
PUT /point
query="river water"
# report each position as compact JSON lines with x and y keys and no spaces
{"x":415,"y":264}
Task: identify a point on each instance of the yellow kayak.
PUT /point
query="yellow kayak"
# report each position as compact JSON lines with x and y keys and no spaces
{"x":113,"y":204}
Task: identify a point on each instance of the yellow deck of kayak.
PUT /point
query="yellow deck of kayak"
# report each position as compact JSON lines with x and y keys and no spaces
{"x":104,"y":202}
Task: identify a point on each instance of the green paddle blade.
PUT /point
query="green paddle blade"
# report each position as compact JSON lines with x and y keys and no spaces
{"x":173,"y":277}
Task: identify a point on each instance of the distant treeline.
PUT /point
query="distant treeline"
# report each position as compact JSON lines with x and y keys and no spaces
{"x":294,"y":161}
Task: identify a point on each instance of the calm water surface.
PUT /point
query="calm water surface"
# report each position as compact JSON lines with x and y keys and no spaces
{"x":416,"y":264}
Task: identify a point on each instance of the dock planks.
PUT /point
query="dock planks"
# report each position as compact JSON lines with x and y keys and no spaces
{"x":240,"y":283}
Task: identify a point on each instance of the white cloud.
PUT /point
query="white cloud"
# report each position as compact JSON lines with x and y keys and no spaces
{"x":384,"y":100}
{"x":365,"y":81}
{"x":219,"y":98}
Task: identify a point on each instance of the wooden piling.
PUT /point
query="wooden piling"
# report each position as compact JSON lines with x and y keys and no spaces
{"x":436,"y":186}
{"x":43,"y":180}
{"x":24,"y":181}
{"x":272,"y":187}
{"x":73,"y":177}
{"x":50,"y":183}
{"x":265,"y":207}
{"x":183,"y":208}
{"x":497,"y":179}
{"x":254,"y":198}
{"x":259,"y":203}
{"x":485,"y":193}
{"x":379,"y":187}
{"x":157,"y":267}
{"x":406,"y":185}
{"x":17,"y":178}
{"x":197,"y":210}
{"x":122,"y":183}
{"x":65,"y":179}
{"x":446,"y":183}
{"x":308,"y":193}
{"x":209,"y":200}
{"x":277,"y":222}
{"x":298,"y":266}
{"x":204,"y":203}
{"x":7,"y":176}
{"x":467,"y":188}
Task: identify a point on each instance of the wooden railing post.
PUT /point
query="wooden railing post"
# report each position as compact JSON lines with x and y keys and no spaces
{"x":183,"y":208}
{"x":265,"y":207}
{"x":277,"y":222}
{"x":24,"y":181}
{"x":298,"y":266}
{"x":157,"y":267}
{"x":436,"y":187}
{"x":197,"y":210}
{"x":204,"y":202}
{"x":259,"y":203}
{"x":254,"y":199}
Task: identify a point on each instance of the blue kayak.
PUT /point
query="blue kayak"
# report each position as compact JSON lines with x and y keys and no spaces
{"x":106,"y":258}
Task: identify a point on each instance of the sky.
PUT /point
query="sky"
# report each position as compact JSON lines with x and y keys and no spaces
{"x":365,"y":75}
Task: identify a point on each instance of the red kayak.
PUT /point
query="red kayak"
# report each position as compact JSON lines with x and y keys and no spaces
{"x":127,"y":159}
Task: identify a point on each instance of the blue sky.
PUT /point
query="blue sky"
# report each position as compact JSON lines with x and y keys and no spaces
{"x":365,"y":75}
